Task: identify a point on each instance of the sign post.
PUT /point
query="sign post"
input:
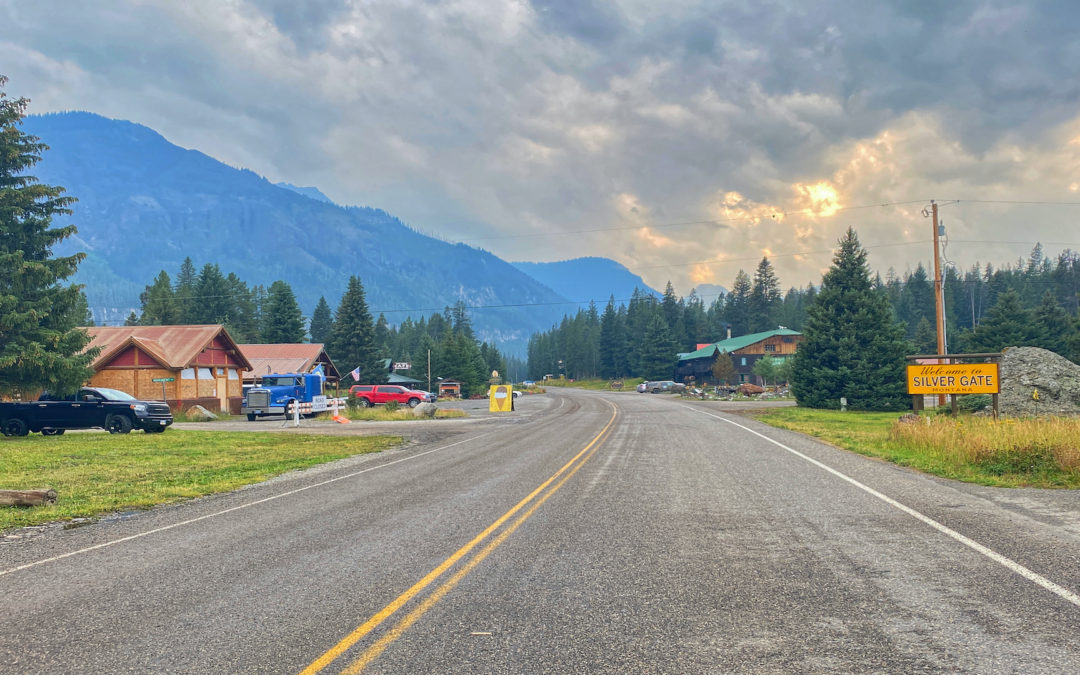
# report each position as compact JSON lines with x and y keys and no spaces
{"x":163,"y":380}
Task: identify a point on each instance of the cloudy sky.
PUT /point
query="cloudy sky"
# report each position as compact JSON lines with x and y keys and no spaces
{"x":685,"y":139}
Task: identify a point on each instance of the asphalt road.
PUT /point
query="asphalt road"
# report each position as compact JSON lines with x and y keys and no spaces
{"x":587,"y":532}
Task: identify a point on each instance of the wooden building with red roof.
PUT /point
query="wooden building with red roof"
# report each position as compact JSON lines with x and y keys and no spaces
{"x":204,"y":362}
{"x":287,"y":358}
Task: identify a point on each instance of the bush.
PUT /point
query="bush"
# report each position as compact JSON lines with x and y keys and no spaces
{"x":351,"y":402}
{"x":974,"y":402}
{"x":391,"y":406}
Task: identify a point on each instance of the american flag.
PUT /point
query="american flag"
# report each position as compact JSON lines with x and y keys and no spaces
{"x":356,"y":374}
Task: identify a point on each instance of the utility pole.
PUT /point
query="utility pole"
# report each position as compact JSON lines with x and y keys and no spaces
{"x":939,"y":304}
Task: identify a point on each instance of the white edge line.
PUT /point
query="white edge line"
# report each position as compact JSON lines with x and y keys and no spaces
{"x":234,"y":508}
{"x":993,"y":555}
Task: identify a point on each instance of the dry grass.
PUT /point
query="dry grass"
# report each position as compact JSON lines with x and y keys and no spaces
{"x":1026,"y":452}
{"x":1004,"y":446}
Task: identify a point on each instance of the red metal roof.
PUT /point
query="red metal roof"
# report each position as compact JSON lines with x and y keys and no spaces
{"x":286,"y":358}
{"x":175,"y":347}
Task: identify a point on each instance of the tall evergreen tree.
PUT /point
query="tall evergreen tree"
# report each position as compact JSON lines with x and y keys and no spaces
{"x":765,"y":299}
{"x":212,"y":301}
{"x":737,"y":307}
{"x":321,"y":322}
{"x":852,"y":346}
{"x":41,"y":344}
{"x":1052,"y":324}
{"x":244,"y":322}
{"x":185,"y":291}
{"x":352,"y":337}
{"x":159,"y":306}
{"x":612,"y":343}
{"x":657,"y":350}
{"x":1007,"y":324}
{"x":282,"y":321}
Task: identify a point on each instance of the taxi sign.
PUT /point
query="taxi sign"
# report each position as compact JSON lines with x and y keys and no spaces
{"x":953,"y":378}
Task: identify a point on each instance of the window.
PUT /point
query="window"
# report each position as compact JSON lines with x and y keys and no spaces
{"x":743,"y":361}
{"x":770,"y":348}
{"x":787,"y":339}
{"x":205,"y":374}
{"x":187,"y":374}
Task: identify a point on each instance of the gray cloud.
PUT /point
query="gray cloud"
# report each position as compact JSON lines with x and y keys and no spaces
{"x":476,"y":119}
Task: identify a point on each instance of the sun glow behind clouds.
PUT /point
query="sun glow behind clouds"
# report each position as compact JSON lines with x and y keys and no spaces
{"x":821,"y":198}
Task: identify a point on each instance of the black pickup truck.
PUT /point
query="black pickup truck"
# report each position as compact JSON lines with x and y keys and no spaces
{"x":92,"y":407}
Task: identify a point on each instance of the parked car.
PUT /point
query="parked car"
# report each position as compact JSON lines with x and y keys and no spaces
{"x":643,"y":387}
{"x":91,"y":407}
{"x":661,"y":386}
{"x":368,"y":395}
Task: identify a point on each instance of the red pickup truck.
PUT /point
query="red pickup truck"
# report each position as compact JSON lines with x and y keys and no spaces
{"x":368,"y":395}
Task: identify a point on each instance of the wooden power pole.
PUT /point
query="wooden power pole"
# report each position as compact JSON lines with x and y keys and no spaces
{"x":939,"y":301}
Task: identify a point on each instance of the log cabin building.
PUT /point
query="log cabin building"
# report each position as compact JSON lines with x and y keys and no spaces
{"x":203,"y":361}
{"x":744,"y":351}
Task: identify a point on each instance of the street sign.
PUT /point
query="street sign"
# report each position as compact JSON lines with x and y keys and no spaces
{"x":401,"y":365}
{"x":164,"y":379}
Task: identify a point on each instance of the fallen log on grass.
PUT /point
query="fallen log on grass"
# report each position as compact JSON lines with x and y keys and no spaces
{"x":27,"y":497}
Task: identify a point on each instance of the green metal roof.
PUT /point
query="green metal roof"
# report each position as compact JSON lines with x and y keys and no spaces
{"x":735,"y":343}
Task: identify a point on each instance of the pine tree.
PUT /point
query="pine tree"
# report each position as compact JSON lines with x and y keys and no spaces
{"x":352,"y":337}
{"x":41,"y":344}
{"x":765,"y":299}
{"x":212,"y":301}
{"x":185,"y":291}
{"x":321,"y":321}
{"x":282,"y":321}
{"x":1007,"y":324}
{"x":723,"y":369}
{"x":852,"y":346}
{"x":925,"y":337}
{"x":612,"y":342}
{"x":657,"y":350}
{"x":159,"y":306}
{"x":1052,"y":325}
{"x":244,"y":319}
{"x":737,"y":307}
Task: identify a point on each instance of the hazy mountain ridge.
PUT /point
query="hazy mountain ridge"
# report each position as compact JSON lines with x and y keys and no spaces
{"x":145,"y":204}
{"x":587,"y":279}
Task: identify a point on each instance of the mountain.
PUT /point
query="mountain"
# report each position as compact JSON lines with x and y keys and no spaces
{"x":585,"y":279}
{"x":710,"y":292}
{"x":145,"y":204}
{"x":310,"y":192}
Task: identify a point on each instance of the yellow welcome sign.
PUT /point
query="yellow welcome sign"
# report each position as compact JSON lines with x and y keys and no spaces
{"x":501,"y":398}
{"x":953,"y":378}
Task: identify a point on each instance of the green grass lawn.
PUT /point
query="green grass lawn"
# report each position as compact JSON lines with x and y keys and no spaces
{"x":1006,"y":453}
{"x":97,"y":473}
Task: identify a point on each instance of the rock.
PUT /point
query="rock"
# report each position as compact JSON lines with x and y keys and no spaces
{"x":1026,"y":369}
{"x":909,"y":418}
{"x":425,"y":410}
{"x":197,"y":413}
{"x":748,"y":389}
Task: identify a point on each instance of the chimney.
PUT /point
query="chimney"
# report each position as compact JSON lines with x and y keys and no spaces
{"x":729,"y":332}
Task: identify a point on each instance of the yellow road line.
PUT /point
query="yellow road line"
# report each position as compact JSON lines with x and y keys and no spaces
{"x":373,"y":652}
{"x":385,"y":613}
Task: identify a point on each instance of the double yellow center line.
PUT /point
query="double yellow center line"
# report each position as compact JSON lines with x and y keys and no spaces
{"x":529,"y":505}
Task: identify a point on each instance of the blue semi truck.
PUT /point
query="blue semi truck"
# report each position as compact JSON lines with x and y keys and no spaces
{"x":277,"y":393}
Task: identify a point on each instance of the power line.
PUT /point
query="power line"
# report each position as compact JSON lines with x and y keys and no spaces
{"x":661,"y":226}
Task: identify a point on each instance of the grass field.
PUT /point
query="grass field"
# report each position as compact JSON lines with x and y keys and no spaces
{"x":1007,"y":453}
{"x":382,"y":413}
{"x":96,"y":473}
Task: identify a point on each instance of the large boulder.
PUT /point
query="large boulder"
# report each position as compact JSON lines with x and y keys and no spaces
{"x":1025,"y":369}
{"x":425,"y":410}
